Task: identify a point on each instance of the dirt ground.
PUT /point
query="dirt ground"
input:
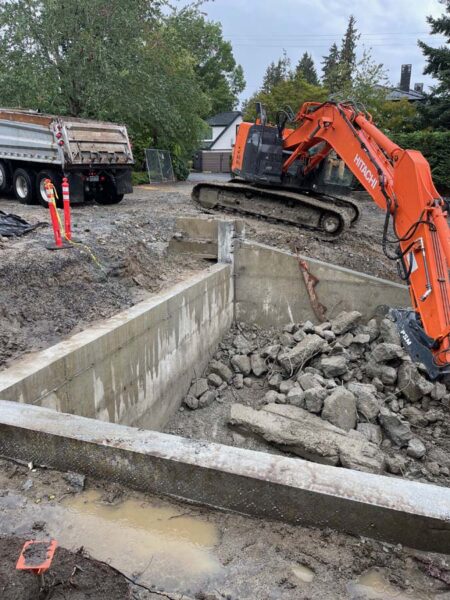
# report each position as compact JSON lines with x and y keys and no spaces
{"x":46,"y":296}
{"x":247,"y":559}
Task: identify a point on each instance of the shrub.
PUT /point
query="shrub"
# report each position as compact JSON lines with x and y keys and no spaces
{"x":435,"y":146}
{"x":180,"y":168}
{"x":139,"y":177}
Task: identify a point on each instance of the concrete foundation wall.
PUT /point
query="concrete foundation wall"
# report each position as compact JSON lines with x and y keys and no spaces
{"x":136,"y":367}
{"x":270,"y":290}
{"x":253,"y":483}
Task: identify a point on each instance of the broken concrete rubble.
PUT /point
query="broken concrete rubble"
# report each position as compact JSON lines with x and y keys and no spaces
{"x":344,"y":322}
{"x":301,"y":353}
{"x":340,"y":409}
{"x":297,"y":431}
{"x":359,"y":381}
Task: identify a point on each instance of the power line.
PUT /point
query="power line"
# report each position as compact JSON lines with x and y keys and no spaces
{"x":327,"y":35}
{"x":305,"y":44}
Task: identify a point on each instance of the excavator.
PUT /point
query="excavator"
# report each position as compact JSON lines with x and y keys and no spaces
{"x":301,"y":175}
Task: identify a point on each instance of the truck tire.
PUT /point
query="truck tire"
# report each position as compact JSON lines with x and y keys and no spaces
{"x":56,"y":179}
{"x":5,"y":177}
{"x":109,"y":196}
{"x":23,"y":186}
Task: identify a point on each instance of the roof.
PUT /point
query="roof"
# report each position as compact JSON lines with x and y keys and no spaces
{"x":223,"y":119}
{"x":398,"y":94}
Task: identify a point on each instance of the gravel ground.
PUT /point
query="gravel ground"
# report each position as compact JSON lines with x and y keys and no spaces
{"x":256,"y":559}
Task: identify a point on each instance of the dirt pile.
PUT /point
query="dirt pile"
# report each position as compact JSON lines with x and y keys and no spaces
{"x":341,"y":393}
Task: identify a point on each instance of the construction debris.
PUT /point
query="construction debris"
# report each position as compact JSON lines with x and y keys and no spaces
{"x":14,"y":226}
{"x":339,"y":393}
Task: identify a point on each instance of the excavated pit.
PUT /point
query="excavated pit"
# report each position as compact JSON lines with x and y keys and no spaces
{"x":97,"y":402}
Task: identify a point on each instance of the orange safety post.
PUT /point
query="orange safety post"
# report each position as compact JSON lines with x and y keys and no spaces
{"x":53,"y":214}
{"x":66,"y":205}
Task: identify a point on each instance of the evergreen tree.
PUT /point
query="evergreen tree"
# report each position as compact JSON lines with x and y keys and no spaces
{"x":436,"y":110}
{"x":276,"y":72}
{"x":347,"y":56}
{"x":330,"y":69}
{"x":306,"y":69}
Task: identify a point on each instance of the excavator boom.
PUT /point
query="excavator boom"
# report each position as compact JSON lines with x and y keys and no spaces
{"x":400,"y":183}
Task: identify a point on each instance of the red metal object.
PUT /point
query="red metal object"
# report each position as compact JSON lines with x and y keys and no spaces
{"x":310,"y":282}
{"x":36,"y":556}
{"x":66,"y":205}
{"x":53,"y":214}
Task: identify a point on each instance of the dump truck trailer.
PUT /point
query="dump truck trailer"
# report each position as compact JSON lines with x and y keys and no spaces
{"x":95,"y":156}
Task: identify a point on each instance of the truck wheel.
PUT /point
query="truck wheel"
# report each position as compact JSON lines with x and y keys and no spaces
{"x":5,"y":177}
{"x":109,"y":196}
{"x":56,"y":179}
{"x":23,"y":186}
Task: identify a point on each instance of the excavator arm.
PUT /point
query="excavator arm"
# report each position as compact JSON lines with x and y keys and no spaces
{"x":400,"y":183}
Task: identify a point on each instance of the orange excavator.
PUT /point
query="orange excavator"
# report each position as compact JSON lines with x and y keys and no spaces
{"x":286,"y":174}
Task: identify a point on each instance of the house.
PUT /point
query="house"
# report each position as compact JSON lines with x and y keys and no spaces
{"x":215,"y":152}
{"x":404,"y":89}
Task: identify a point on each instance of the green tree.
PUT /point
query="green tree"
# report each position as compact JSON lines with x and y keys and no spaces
{"x":292,"y":92}
{"x":399,"y":116}
{"x":306,"y":69}
{"x":347,"y":55}
{"x":221,"y":79}
{"x":330,"y":69}
{"x":435,"y":111}
{"x":276,"y":73}
{"x":103,"y":59}
{"x":369,"y":85}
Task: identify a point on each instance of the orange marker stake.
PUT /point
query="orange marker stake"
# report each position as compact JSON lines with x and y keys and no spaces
{"x":54,"y":217}
{"x":66,"y":205}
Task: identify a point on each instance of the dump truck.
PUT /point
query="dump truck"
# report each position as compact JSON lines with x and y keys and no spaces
{"x":95,"y":156}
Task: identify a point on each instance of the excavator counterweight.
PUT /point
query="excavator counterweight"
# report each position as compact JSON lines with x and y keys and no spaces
{"x":297,"y":176}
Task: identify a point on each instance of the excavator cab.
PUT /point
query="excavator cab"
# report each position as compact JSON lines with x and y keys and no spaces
{"x":259,"y":157}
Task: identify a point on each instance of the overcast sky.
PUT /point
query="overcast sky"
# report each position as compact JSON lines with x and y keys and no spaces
{"x":260,"y":29}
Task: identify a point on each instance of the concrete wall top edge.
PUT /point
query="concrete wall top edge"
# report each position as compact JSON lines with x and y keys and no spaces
{"x":393,"y":493}
{"x":34,"y":362}
{"x":256,"y":246}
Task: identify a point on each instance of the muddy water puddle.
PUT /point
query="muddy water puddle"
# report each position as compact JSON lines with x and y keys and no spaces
{"x":303,"y":573}
{"x":374,"y":585}
{"x":154,"y":544}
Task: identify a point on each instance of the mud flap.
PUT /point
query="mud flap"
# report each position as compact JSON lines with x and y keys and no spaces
{"x":76,"y":186}
{"x":417,"y":343}
{"x":123,"y":181}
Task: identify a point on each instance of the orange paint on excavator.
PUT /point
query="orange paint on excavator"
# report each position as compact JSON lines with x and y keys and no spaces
{"x":399,"y":181}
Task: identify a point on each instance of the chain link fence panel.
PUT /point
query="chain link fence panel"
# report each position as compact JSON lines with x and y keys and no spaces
{"x":159,"y":165}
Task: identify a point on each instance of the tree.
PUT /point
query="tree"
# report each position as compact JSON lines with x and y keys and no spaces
{"x":330,"y":69}
{"x":103,"y":59}
{"x":276,"y":73}
{"x":220,"y":77}
{"x":292,"y":92}
{"x":347,"y":55}
{"x":306,"y":69}
{"x":436,"y":110}
{"x":369,"y":85}
{"x":399,"y":116}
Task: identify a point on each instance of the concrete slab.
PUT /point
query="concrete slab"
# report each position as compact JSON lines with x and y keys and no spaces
{"x":253,"y":483}
{"x":270,"y":290}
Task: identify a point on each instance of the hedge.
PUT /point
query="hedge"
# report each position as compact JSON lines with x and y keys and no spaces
{"x":435,"y":146}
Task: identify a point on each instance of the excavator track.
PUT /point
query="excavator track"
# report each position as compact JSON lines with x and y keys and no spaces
{"x":319,"y":212}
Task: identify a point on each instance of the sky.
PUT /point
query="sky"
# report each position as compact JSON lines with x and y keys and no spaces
{"x":259,"y":30}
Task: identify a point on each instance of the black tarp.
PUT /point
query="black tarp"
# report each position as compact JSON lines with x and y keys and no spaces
{"x":13,"y":225}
